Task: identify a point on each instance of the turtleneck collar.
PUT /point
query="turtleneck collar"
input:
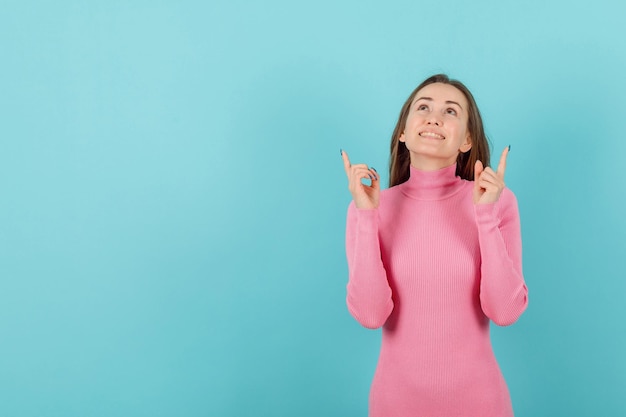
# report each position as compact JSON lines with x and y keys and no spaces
{"x":432,"y":185}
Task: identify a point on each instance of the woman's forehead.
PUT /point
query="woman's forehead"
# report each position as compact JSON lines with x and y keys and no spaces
{"x":442,"y":92}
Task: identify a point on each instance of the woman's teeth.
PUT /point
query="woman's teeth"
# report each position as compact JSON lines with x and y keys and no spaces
{"x":431,"y":135}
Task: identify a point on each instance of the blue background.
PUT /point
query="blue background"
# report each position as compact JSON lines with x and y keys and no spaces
{"x":172,"y":199}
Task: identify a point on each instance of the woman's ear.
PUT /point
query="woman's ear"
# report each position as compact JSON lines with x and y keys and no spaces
{"x":401,"y":138}
{"x":467,"y":145}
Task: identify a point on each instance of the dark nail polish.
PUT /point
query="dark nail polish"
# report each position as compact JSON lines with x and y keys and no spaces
{"x":341,"y":151}
{"x":509,"y":148}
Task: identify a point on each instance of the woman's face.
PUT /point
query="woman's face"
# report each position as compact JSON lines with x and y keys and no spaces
{"x":436,"y":128}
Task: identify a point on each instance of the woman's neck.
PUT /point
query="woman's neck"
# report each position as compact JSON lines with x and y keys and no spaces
{"x":423,"y":163}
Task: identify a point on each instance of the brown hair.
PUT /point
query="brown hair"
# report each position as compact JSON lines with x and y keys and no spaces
{"x":400,"y":159}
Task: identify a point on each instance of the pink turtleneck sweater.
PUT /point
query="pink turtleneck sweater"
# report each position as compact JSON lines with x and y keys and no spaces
{"x":432,"y":268}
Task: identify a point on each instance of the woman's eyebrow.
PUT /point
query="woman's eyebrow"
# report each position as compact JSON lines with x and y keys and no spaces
{"x":423,"y":98}
{"x":430,"y":99}
{"x":454,"y":102}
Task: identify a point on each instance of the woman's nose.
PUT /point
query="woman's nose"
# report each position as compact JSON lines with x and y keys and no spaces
{"x":434,"y":120}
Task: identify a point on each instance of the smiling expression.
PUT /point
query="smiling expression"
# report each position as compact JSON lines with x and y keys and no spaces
{"x":436,"y":127}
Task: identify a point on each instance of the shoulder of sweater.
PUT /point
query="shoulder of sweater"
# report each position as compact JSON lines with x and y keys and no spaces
{"x":508,"y":197}
{"x":391,"y":192}
{"x":507,"y":205}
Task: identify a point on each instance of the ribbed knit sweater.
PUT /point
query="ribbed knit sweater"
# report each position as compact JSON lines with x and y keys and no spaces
{"x":433,"y":268}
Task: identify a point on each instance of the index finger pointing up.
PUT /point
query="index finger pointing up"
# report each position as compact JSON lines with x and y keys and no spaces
{"x":346,"y":161}
{"x":502,"y":163}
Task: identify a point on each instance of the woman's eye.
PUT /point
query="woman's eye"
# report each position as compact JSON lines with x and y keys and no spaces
{"x":451,"y":111}
{"x":422,"y":107}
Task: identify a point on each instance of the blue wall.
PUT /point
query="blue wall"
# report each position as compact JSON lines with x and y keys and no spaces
{"x":172,"y":200}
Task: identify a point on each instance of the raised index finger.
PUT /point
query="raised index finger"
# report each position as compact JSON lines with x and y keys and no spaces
{"x":346,"y":161}
{"x":502,"y":163}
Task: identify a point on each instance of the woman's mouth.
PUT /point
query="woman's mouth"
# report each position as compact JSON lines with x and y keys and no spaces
{"x":431,"y":135}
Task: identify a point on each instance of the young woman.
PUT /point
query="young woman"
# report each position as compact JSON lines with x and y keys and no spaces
{"x":434,"y":258}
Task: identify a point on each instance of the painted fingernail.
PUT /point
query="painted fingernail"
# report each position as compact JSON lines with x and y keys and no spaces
{"x":374,"y":169}
{"x":509,"y":148}
{"x":341,"y":151}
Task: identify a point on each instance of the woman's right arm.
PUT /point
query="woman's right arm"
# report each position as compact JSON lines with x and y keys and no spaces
{"x":369,"y":295}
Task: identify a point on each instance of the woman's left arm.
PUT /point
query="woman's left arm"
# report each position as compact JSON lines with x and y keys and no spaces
{"x":503,"y":293}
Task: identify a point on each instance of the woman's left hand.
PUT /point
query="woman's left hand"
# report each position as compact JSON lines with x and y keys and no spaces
{"x":488,"y":185}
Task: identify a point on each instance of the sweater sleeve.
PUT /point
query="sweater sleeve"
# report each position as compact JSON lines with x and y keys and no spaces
{"x":368,"y":292}
{"x":503,"y":292}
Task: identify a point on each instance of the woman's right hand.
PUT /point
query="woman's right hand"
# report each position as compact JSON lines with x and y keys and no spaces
{"x":364,"y":196}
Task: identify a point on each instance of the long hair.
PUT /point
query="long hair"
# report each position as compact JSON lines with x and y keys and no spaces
{"x":400,"y":159}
